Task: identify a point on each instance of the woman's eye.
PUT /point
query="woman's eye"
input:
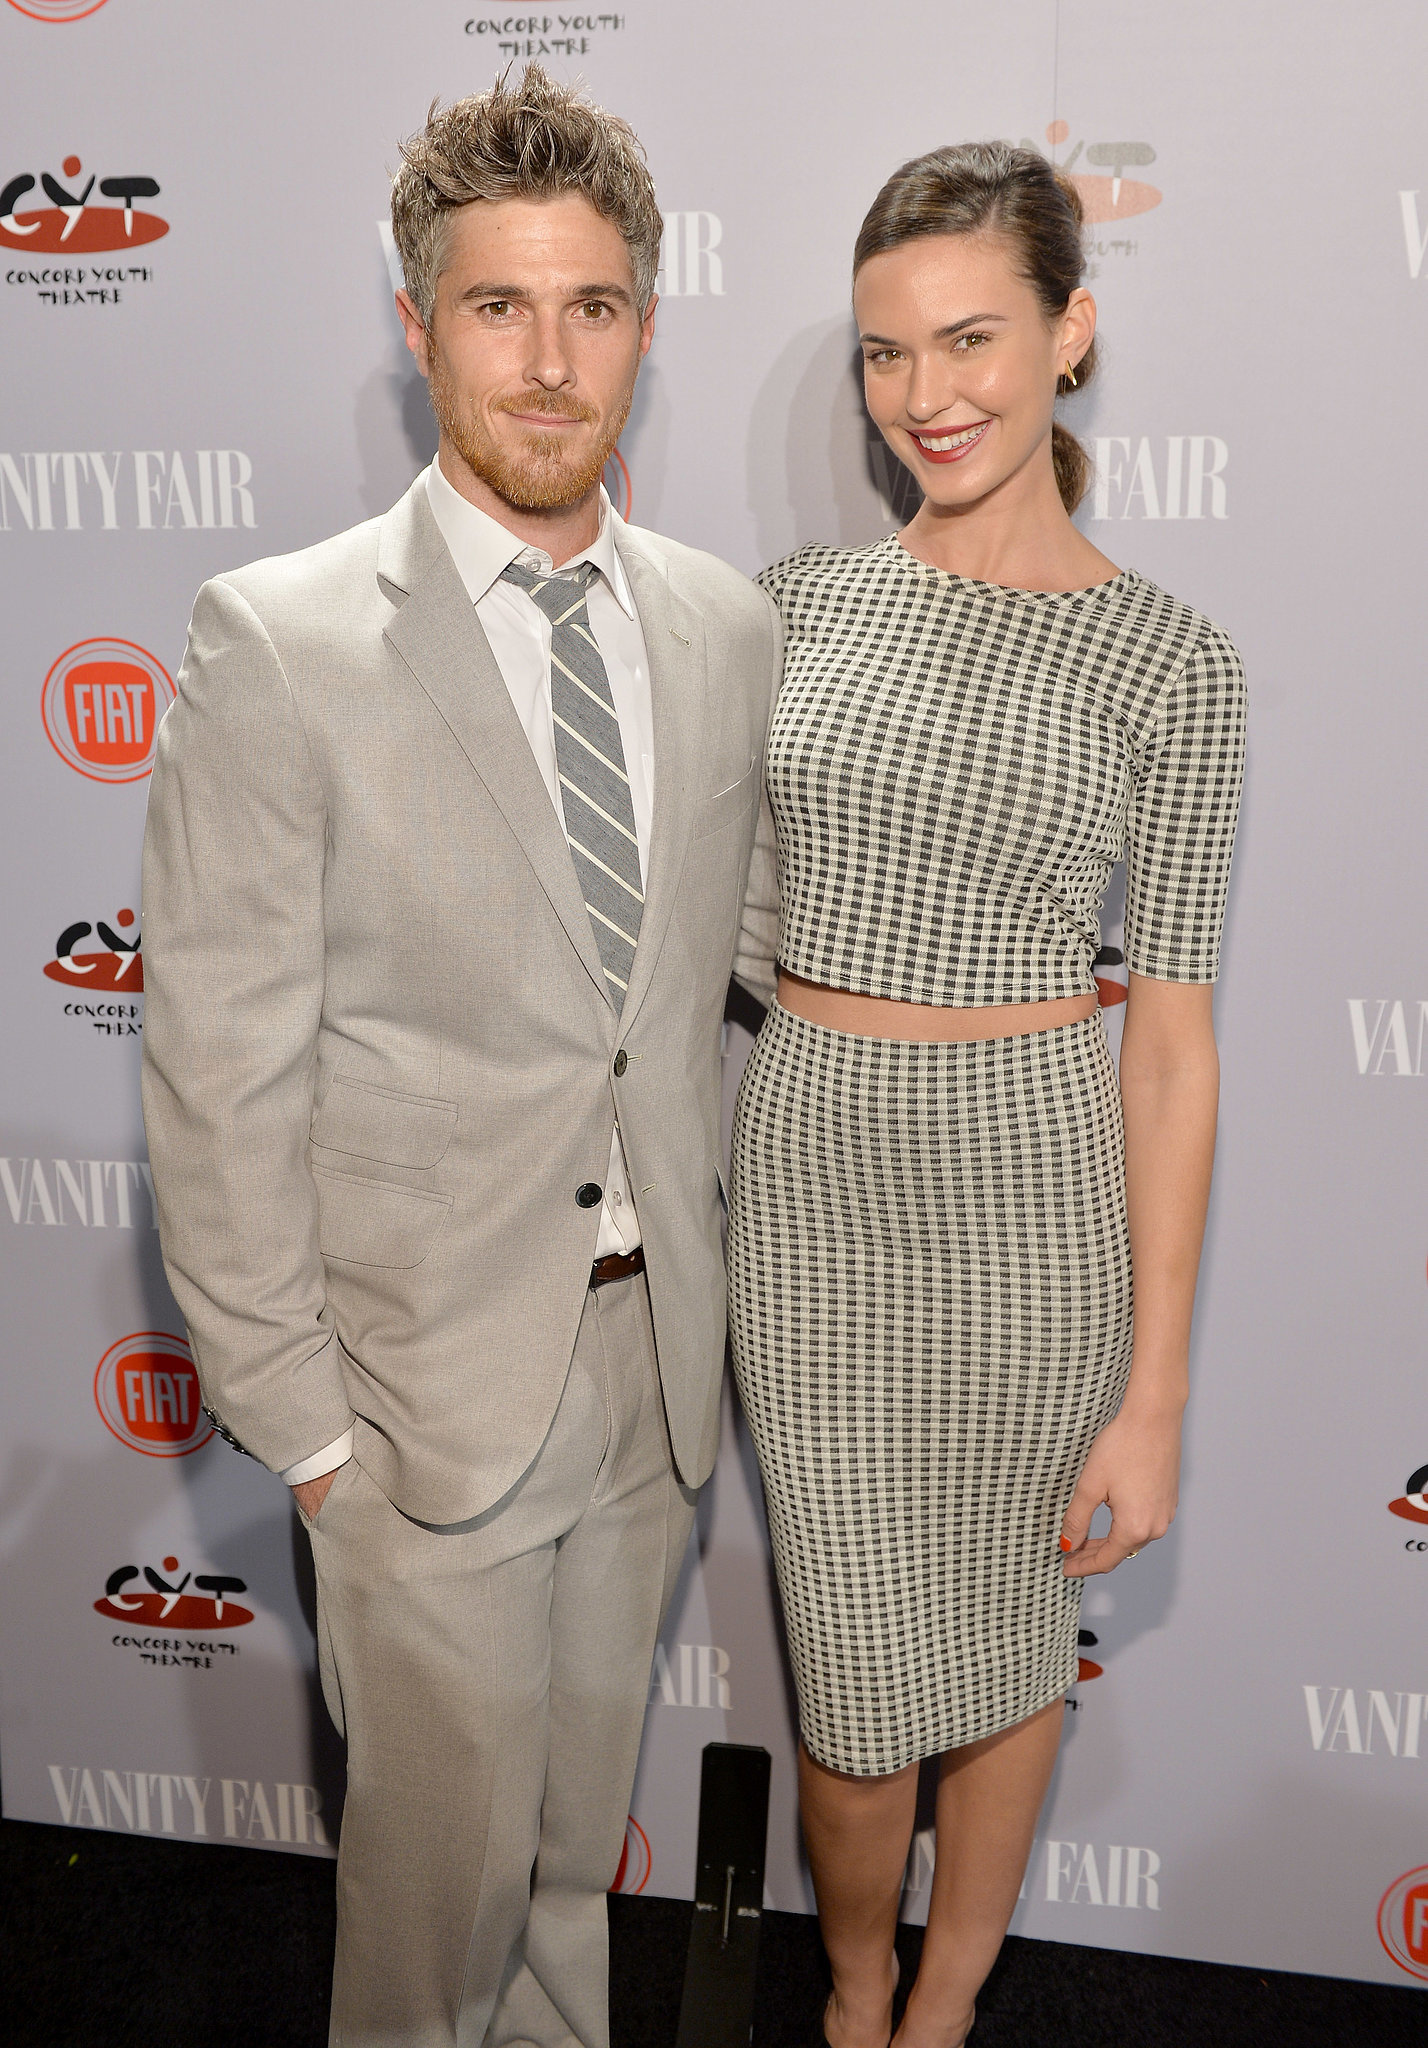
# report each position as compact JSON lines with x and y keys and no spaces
{"x":968,"y":342}
{"x":881,"y":356}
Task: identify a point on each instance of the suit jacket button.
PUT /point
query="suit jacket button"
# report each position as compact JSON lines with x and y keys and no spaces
{"x":589,"y":1193}
{"x":622,"y":1060}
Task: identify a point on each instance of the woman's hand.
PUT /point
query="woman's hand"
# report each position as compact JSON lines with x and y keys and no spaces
{"x":1169,"y":1089}
{"x":1134,"y":1467}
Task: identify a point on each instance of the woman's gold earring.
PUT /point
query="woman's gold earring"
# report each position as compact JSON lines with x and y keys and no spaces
{"x":1071,"y":374}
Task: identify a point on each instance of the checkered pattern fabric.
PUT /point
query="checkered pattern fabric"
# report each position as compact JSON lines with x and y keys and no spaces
{"x":930,"y":1298}
{"x":954,"y":769}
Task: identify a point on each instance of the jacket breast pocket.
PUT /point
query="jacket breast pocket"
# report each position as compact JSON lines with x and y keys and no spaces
{"x":721,"y":809}
{"x":372,"y":1223}
{"x":383,"y":1124}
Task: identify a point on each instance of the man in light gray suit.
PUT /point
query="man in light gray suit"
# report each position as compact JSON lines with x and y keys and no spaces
{"x":447,"y":839}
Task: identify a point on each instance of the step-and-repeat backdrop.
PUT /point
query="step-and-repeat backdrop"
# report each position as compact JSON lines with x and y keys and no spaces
{"x":202,"y":365}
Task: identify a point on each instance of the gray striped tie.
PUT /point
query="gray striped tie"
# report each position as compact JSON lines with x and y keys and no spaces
{"x":594,"y":787}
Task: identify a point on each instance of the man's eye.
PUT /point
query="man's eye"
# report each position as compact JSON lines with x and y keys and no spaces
{"x":594,"y":309}
{"x":497,"y":306}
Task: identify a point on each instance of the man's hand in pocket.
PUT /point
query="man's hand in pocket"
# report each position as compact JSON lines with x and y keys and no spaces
{"x":313,"y":1492}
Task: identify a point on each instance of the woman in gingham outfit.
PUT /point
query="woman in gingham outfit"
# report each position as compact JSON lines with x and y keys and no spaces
{"x":935,"y":1206}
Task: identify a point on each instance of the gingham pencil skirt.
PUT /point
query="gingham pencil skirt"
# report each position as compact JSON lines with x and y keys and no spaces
{"x":930,"y":1307}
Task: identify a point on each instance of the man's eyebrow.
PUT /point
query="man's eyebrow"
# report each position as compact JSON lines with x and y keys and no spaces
{"x":604,"y":291}
{"x":942,"y":334}
{"x":521,"y":296}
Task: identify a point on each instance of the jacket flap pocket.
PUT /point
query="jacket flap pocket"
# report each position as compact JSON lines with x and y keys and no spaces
{"x":374,"y":1224}
{"x":378,"y":1123}
{"x":726,"y":804}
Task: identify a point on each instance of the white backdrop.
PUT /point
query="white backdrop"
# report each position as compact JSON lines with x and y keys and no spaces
{"x":222,"y":376}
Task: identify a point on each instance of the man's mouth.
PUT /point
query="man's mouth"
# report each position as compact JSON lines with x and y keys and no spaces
{"x":950,"y":446}
{"x":540,"y":416}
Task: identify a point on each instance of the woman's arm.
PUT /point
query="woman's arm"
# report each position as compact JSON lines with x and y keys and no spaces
{"x":1170,"y":1084}
{"x":756,"y":954}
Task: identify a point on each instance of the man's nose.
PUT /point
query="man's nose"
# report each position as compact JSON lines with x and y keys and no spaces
{"x":548,"y":362}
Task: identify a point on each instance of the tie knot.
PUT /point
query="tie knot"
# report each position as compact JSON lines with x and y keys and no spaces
{"x":558,"y":592}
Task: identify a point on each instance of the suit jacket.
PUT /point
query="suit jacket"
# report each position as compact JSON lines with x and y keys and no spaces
{"x":379,"y":1055}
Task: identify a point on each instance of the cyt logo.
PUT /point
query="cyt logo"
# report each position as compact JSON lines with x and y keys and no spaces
{"x":1186,"y":483}
{"x":689,"y":267}
{"x":146,"y":1389}
{"x":120,"y":965}
{"x":1412,"y":1503}
{"x":102,"y":703}
{"x":169,"y":1604}
{"x":1106,"y":197}
{"x":1086,"y":1667}
{"x":1111,"y":987}
{"x":69,"y":222}
{"x":1403,"y":1922}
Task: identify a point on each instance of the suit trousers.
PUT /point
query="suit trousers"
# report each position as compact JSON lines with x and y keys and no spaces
{"x":491,"y":1678}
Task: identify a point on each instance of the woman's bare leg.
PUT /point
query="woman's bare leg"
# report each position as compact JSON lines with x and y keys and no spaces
{"x":858,"y":1832}
{"x":988,"y":1798}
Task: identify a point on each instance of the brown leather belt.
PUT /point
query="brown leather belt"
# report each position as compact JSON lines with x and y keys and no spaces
{"x":617,"y":1266}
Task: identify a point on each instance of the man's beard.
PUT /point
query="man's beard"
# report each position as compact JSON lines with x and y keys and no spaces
{"x":537,"y":475}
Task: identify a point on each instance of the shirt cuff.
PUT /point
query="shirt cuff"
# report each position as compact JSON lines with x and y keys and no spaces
{"x":336,"y":1453}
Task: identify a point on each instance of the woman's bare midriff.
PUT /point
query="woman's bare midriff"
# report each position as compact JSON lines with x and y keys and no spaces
{"x":929,"y":1023}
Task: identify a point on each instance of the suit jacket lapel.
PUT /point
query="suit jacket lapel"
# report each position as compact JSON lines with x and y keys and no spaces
{"x":674,"y":642}
{"x":438,"y":636}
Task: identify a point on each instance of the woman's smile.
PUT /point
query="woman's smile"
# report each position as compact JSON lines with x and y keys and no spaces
{"x":948,"y":444}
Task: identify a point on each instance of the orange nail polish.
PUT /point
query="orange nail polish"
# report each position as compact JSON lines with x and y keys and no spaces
{"x":1066,"y":1543}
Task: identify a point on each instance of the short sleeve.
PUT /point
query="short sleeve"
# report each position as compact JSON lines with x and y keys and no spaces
{"x":774,"y":580}
{"x":1185,"y":797}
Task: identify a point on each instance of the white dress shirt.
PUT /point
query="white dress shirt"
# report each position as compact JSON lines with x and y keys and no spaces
{"x":519,"y":634}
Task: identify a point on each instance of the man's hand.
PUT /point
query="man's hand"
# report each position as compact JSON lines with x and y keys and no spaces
{"x":313,"y":1492}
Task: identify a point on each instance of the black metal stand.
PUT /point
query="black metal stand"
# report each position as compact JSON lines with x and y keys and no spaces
{"x":717,"y":2010}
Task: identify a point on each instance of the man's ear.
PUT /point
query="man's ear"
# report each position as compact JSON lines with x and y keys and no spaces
{"x":414,"y":327}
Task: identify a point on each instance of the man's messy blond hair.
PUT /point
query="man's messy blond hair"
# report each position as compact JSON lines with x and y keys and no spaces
{"x":531,"y":140}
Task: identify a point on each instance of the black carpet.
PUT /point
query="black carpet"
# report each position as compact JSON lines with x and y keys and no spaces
{"x":108,"y":1940}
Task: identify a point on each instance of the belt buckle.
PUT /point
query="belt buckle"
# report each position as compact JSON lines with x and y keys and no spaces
{"x":616,"y":1266}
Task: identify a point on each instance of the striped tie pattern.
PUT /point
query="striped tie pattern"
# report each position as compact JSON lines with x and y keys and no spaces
{"x":590,"y":760}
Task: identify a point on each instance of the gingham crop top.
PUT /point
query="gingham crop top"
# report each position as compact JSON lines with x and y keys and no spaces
{"x":954,"y":768}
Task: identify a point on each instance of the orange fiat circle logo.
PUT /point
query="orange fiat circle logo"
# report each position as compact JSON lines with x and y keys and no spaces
{"x":57,"y":10}
{"x":146,"y":1389}
{"x":635,"y":1859}
{"x":102,"y":703}
{"x":1403,"y":1922}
